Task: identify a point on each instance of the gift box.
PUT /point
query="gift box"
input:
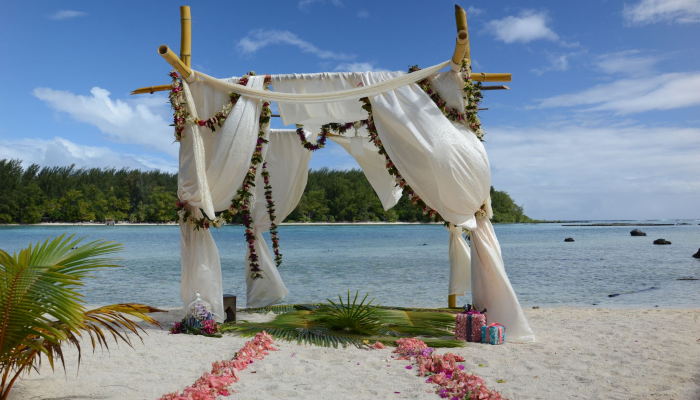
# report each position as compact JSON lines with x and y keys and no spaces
{"x":468,"y":326}
{"x":493,"y":334}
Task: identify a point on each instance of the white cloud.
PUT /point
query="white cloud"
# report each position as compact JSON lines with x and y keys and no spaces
{"x":303,"y":4}
{"x":67,"y":14}
{"x":358,"y":67}
{"x":363,"y":14}
{"x":260,"y":38}
{"x":653,"y":11}
{"x":630,"y":62}
{"x":473,"y":11}
{"x":529,"y":26}
{"x":138,"y":122}
{"x":574,"y":171}
{"x":557,"y":62}
{"x":635,"y":95}
{"x":62,"y":152}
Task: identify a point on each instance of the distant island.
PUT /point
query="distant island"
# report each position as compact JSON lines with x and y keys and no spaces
{"x":68,"y":194}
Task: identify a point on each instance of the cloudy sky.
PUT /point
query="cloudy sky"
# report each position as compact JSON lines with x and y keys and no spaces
{"x":602,"y":122}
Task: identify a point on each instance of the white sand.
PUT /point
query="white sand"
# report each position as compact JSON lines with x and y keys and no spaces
{"x":580,"y":354}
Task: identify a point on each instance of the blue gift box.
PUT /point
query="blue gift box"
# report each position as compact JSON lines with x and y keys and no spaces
{"x":493,"y":334}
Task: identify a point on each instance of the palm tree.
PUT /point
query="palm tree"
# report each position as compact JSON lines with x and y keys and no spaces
{"x":41,"y":310}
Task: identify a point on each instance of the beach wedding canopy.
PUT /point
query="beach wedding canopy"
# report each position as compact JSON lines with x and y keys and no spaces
{"x":415,"y":134}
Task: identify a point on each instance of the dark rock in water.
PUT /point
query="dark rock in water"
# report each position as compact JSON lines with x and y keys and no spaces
{"x":614,"y":295}
{"x":536,"y":307}
{"x":425,"y":244}
{"x":637,"y":232}
{"x":661,"y":241}
{"x":689,"y":278}
{"x":569,"y":239}
{"x":684,"y":223}
{"x":697,"y":255}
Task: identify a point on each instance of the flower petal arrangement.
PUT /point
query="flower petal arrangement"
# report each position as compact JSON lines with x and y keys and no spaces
{"x":224,"y":373}
{"x":443,"y":371}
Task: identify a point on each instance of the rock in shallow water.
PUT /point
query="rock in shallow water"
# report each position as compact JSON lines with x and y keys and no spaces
{"x":569,"y":239}
{"x":661,"y":241}
{"x":697,"y":255}
{"x":637,"y":232}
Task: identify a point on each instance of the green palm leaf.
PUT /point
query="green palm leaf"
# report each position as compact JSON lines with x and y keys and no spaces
{"x":41,"y":308}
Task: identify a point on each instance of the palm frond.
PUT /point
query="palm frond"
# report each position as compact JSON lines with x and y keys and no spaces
{"x":282,"y":308}
{"x":42,"y":310}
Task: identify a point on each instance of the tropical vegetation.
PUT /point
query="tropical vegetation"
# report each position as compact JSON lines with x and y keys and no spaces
{"x":351,"y":323}
{"x":41,"y":309}
{"x":67,"y":194}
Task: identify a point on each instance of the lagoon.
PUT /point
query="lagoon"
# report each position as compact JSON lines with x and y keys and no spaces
{"x":407,"y":265}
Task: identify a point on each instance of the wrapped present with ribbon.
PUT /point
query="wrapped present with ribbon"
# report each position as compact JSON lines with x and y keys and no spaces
{"x":493,"y":334}
{"x":468,"y":325}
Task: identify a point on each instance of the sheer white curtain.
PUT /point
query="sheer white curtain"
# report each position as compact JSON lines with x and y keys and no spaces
{"x":446,"y":165}
{"x":212,"y":167}
{"x":288,"y":165}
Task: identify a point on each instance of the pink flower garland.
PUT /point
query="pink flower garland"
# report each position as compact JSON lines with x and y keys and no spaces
{"x":224,"y":373}
{"x":444,"y":371}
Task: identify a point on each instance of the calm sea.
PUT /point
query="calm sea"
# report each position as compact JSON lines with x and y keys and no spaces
{"x":407,"y":265}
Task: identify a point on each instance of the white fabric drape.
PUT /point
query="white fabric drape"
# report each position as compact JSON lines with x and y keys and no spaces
{"x":288,"y":165}
{"x":397,"y":81}
{"x":444,"y":162}
{"x":212,"y":168}
{"x":373,"y":166}
{"x":460,"y":263}
{"x":201,"y":268}
{"x":491,"y":288}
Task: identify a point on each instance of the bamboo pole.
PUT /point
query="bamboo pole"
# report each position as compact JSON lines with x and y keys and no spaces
{"x":490,"y":77}
{"x":152,"y":89}
{"x":461,"y":20}
{"x":460,"y":47}
{"x":173,"y":60}
{"x":452,"y":301}
{"x":186,"y":35}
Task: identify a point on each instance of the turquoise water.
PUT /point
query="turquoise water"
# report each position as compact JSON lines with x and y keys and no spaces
{"x":407,"y":265}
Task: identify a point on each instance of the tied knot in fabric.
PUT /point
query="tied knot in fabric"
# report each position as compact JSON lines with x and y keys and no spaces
{"x":481,"y":212}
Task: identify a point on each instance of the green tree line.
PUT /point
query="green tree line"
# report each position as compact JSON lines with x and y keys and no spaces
{"x":67,"y":194}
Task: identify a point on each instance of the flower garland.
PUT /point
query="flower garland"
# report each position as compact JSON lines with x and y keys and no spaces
{"x":320,"y":140}
{"x":180,"y":114}
{"x":271,"y":212}
{"x":241,"y":203}
{"x":407,"y":190}
{"x":185,"y":216}
{"x":443,"y":370}
{"x":224,"y":373}
{"x":472,"y":95}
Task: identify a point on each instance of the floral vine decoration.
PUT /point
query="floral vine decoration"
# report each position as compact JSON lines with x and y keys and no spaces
{"x":185,"y":216}
{"x":242,"y":202}
{"x":271,"y":212}
{"x":471,"y":94}
{"x":180,"y":114}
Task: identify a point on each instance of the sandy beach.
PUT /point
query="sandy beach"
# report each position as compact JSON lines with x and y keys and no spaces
{"x":579,"y":354}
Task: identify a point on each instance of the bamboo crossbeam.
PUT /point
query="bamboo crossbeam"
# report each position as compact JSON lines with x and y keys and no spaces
{"x":491,"y":77}
{"x":460,"y":47}
{"x":152,"y":89}
{"x":495,"y":87}
{"x":174,"y":60}
{"x":186,"y":35}
{"x":461,"y":20}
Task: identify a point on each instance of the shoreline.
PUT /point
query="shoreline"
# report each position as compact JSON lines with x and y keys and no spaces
{"x":579,"y":353}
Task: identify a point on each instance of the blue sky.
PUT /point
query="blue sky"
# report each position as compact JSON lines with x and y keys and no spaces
{"x":602,"y":122}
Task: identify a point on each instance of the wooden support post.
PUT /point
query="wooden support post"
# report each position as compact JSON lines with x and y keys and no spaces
{"x":230,"y":307}
{"x":186,"y":35}
{"x":460,"y":47}
{"x":452,"y":301}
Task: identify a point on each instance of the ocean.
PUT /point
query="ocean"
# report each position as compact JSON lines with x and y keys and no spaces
{"x":407,"y":265}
